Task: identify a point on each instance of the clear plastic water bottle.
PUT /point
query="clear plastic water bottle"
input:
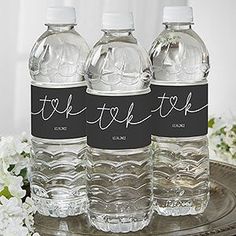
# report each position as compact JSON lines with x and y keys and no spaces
{"x":179,"y":88}
{"x":58,"y":120}
{"x":119,"y":169}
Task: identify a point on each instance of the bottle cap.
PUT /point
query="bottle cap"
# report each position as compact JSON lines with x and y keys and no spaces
{"x":61,"y":15}
{"x":118,"y":21}
{"x":178,"y":14}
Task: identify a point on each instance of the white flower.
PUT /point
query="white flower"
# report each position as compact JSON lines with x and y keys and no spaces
{"x":16,"y":218}
{"x":8,"y":151}
{"x":15,"y":230}
{"x":24,"y":138}
{"x":222,"y":138}
{"x":29,"y":211}
{"x":13,"y":154}
{"x":14,"y":184}
{"x":10,"y":211}
{"x":20,"y":165}
{"x":229,"y":137}
{"x":11,"y":150}
{"x":218,"y":123}
{"x":233,"y":150}
{"x":215,"y":140}
{"x":15,"y":187}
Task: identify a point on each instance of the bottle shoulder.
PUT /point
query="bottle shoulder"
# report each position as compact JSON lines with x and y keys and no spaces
{"x":58,"y":57}
{"x":118,"y":65}
{"x":179,"y":55}
{"x":186,"y":37}
{"x":61,"y":38}
{"x":121,"y":50}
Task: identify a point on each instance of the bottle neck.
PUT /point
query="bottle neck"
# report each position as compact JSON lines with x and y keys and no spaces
{"x":117,"y":33}
{"x":60,"y":28}
{"x":178,"y":26}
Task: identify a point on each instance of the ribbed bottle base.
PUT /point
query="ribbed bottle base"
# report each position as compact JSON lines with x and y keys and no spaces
{"x":120,"y":223}
{"x":60,"y":208}
{"x":181,"y":206}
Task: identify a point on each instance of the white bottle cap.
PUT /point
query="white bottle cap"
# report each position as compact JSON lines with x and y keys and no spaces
{"x":61,"y":15}
{"x":118,"y":21}
{"x":178,"y":14}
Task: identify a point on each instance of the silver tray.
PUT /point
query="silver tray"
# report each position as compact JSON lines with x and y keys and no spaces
{"x":218,"y":219}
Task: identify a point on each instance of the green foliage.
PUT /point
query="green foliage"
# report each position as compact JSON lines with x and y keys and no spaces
{"x":211,"y":122}
{"x":5,"y":192}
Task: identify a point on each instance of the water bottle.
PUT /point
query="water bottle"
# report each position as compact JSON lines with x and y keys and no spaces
{"x":119,"y":168}
{"x":58,"y":119}
{"x":179,"y":115}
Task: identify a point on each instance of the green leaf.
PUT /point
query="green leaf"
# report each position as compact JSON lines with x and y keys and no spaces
{"x":234,"y":129}
{"x":10,"y":168}
{"x":211,"y":122}
{"x":224,"y":146}
{"x":25,"y":154}
{"x":5,"y":192}
{"x":234,"y":156}
{"x":23,"y":173}
{"x":222,"y":130}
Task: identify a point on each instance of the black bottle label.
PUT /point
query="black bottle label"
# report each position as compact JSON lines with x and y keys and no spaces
{"x":179,"y":111}
{"x":118,"y":122}
{"x":58,"y":113}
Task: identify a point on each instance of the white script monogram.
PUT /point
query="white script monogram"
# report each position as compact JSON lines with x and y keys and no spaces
{"x":113,"y":112}
{"x":173,"y":100}
{"x":52,"y":106}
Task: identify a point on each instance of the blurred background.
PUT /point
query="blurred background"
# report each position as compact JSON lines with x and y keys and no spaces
{"x":23,"y":22}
